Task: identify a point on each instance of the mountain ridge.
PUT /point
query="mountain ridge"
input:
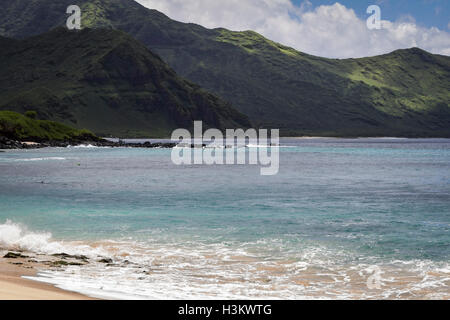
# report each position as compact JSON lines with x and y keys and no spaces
{"x":107,"y":82}
{"x":403,"y":93}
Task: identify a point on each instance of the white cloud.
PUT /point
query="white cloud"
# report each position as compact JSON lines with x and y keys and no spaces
{"x":330,"y":31}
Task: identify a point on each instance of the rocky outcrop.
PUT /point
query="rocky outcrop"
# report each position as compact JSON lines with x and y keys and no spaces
{"x":6,"y":143}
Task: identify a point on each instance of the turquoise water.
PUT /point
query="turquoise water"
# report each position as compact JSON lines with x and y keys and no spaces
{"x":337,"y":207}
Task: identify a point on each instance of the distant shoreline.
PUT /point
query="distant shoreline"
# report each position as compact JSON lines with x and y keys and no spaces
{"x":8,"y":144}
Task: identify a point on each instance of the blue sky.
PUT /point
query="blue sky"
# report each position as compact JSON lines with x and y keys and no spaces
{"x":429,"y":13}
{"x":326,"y":28}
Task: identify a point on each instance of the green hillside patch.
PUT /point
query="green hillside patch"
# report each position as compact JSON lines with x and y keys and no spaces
{"x":403,"y":93}
{"x":20,"y":127}
{"x":107,"y":82}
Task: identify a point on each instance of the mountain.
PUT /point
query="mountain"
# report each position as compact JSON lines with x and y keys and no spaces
{"x":404,"y":93}
{"x":105,"y":81}
{"x":22,"y":127}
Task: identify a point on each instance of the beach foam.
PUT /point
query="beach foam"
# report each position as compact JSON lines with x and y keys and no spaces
{"x":41,"y":159}
{"x":223,"y":271}
{"x":17,"y":237}
{"x":83,"y":146}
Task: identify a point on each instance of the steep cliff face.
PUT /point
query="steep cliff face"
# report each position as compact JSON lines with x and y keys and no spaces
{"x":105,"y":81}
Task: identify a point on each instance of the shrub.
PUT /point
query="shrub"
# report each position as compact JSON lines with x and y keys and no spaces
{"x":31,"y":114}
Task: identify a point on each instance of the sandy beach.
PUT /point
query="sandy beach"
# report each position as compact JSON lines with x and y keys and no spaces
{"x":14,"y":287}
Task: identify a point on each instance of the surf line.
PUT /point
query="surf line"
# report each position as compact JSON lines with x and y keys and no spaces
{"x":238,"y":147}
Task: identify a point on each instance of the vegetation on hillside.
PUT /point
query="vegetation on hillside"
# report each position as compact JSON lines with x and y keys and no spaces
{"x":404,"y":93}
{"x":105,"y":81}
{"x":20,"y":127}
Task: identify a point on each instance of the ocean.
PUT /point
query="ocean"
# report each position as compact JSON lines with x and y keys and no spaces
{"x":343,"y":219}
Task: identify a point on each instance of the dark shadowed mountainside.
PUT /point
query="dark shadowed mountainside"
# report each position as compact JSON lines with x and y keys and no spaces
{"x":404,"y":93}
{"x":105,"y":81}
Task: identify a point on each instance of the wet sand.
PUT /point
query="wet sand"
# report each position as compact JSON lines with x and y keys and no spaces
{"x":14,"y":287}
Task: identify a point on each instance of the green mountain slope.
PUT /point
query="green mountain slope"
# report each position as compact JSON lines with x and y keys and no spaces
{"x":105,"y":81}
{"x":16,"y":126}
{"x":405,"y":93}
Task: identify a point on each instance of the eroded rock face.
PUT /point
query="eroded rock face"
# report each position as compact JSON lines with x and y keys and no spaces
{"x":114,"y":88}
{"x":6,"y":143}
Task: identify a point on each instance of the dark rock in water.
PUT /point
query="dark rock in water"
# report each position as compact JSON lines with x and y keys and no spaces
{"x":61,"y":263}
{"x":61,"y":255}
{"x":6,"y":143}
{"x":12,"y":255}
{"x":192,"y":145}
{"x":68,"y":256}
{"x":198,"y":146}
{"x":146,"y":145}
{"x":108,"y":261}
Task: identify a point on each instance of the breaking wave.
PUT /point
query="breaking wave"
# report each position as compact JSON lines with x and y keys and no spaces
{"x":152,"y":270}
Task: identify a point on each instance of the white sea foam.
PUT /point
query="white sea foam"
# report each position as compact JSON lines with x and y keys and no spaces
{"x":17,"y":237}
{"x":41,"y":159}
{"x":13,"y":236}
{"x":155,"y":270}
{"x":268,"y":146}
{"x":83,"y":146}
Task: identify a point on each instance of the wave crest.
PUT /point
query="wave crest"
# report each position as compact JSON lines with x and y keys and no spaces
{"x":15,"y":236}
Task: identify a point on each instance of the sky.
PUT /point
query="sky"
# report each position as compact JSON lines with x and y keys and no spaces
{"x":326,"y":28}
{"x":429,"y":13}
